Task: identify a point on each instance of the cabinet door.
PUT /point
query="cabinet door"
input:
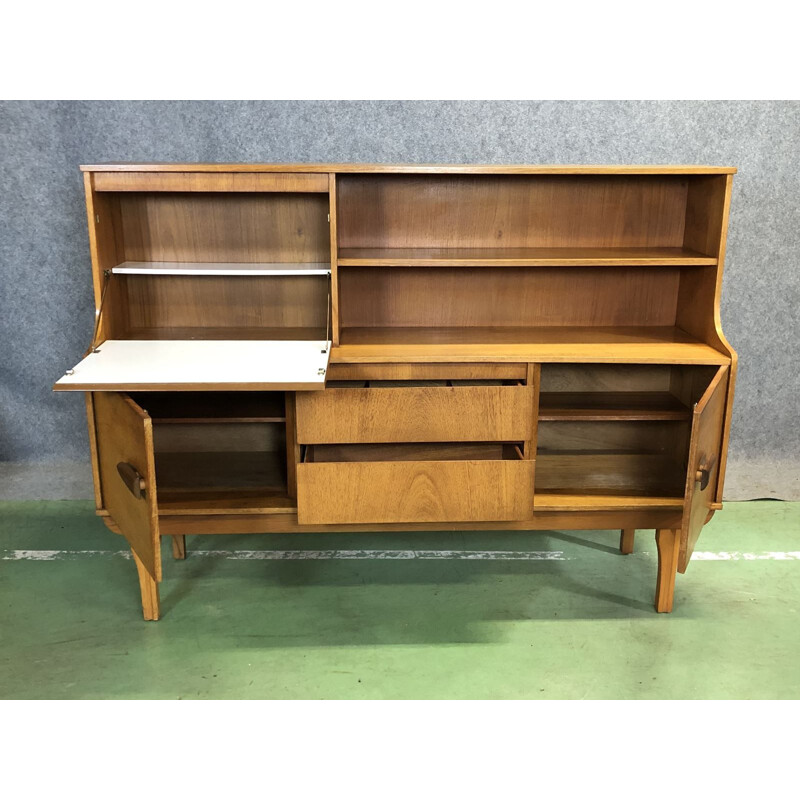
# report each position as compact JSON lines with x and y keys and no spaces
{"x":704,"y":460}
{"x":127,"y":473}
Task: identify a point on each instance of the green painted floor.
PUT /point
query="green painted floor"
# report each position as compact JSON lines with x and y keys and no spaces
{"x":575,"y":622}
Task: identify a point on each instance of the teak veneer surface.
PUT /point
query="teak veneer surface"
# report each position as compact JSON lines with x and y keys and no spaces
{"x":477,"y":297}
{"x":636,"y":345}
{"x":488,"y":169}
{"x":414,"y":491}
{"x":517,"y":347}
{"x":520,"y":256}
{"x":526,"y":211}
{"x":608,"y":406}
{"x":415,"y":414}
{"x":243,"y":228}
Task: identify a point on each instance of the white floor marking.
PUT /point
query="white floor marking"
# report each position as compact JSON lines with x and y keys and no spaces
{"x":300,"y":555}
{"x":389,"y":555}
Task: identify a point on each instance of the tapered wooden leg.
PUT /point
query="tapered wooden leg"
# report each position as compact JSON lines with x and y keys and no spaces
{"x":668,"y":543}
{"x":149,"y":588}
{"x":626,"y":541}
{"x":179,"y":547}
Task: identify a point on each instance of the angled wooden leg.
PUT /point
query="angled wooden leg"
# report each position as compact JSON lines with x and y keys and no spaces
{"x":668,"y":543}
{"x":179,"y":547}
{"x":626,"y":541}
{"x":149,"y":588}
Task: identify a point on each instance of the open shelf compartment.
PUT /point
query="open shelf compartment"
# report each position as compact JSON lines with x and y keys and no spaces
{"x":227,"y":455}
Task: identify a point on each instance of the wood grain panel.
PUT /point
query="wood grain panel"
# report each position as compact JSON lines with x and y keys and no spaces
{"x":483,"y":296}
{"x":604,"y":518}
{"x":512,"y":211}
{"x":242,"y":228}
{"x":704,"y":454}
{"x":521,"y":256}
{"x":414,"y":491}
{"x":636,"y":345}
{"x":489,"y":169}
{"x":125,"y":435}
{"x":635,"y":436}
{"x":174,"y":301}
{"x":611,"y":406}
{"x":209,"y":182}
{"x":416,"y":414}
{"x":609,"y":474}
{"x":403,"y":372}
{"x":601,"y":378}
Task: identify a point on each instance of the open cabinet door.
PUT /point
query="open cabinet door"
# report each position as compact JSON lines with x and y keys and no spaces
{"x":703,"y":467}
{"x":127,"y":474}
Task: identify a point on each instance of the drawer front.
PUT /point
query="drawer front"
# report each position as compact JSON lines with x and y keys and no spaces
{"x":414,"y":491}
{"x":416,"y":414}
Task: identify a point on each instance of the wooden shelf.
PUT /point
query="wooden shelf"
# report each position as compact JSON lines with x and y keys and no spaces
{"x":611,"y":406}
{"x":222,"y":483}
{"x":221,"y":268}
{"x":611,"y":474}
{"x":547,"y":501}
{"x":640,"y":345}
{"x":523,"y":257}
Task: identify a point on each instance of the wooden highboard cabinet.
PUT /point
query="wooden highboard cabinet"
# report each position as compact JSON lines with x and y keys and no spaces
{"x":347,"y":347}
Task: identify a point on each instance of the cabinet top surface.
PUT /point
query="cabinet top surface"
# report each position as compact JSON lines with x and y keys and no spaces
{"x":486,"y":169}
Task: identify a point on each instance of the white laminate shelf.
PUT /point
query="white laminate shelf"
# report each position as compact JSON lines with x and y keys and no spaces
{"x":219,"y":268}
{"x":207,"y":365}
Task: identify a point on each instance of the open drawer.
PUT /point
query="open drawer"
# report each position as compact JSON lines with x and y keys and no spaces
{"x":416,"y":411}
{"x":368,"y":483}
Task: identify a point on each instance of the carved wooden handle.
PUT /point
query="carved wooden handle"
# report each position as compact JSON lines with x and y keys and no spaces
{"x":132,"y":479}
{"x":701,"y":476}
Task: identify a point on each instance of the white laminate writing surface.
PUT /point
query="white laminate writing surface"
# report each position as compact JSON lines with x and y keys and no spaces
{"x":134,"y":364}
{"x":222,"y":268}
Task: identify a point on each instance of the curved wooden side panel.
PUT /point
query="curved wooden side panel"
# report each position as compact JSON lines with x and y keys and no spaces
{"x":707,"y":213}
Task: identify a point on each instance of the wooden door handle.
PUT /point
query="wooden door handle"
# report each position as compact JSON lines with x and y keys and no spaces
{"x":701,"y":476}
{"x":132,"y":479}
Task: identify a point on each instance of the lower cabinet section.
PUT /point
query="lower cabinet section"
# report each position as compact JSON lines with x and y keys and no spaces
{"x":453,"y":482}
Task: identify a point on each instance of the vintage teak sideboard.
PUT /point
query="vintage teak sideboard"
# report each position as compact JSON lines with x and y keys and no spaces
{"x":347,"y":347}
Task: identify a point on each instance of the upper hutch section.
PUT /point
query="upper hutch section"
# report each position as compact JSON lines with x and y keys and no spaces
{"x":426,"y":263}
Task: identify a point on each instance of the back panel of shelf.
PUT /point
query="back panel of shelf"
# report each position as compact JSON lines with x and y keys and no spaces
{"x":176,"y":255}
{"x":428,"y":259}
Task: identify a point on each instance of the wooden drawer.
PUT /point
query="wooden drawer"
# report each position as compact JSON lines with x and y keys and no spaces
{"x":413,"y":483}
{"x":407,"y":413}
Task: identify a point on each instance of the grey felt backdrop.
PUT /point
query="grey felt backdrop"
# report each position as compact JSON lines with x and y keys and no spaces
{"x":46,"y":310}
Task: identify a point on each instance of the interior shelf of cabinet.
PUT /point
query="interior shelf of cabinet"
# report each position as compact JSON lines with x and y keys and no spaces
{"x":639,"y":344}
{"x":580,"y":501}
{"x":222,"y":483}
{"x":220,"y":268}
{"x":522,"y":257}
{"x":636,"y":479}
{"x":611,"y":406}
